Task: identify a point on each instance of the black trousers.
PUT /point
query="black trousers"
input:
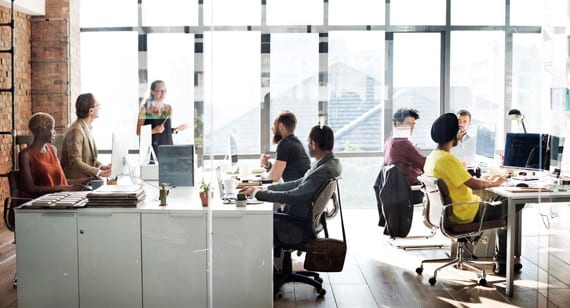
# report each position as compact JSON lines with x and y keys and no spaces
{"x":499,"y":212}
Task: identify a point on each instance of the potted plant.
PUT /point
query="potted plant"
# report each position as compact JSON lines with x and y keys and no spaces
{"x":204,"y":192}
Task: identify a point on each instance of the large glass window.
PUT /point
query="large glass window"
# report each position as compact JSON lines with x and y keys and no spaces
{"x":294,"y":12}
{"x":225,"y":12}
{"x":477,"y":12}
{"x":169,"y":12}
{"x":109,"y":70}
{"x":356,"y":90}
{"x":364,"y":12}
{"x":527,"y":12}
{"x":108,"y":13}
{"x":477,"y":77}
{"x":294,"y":78}
{"x":231,"y":90}
{"x":417,"y":12}
{"x":417,"y":80}
{"x":170,"y":58}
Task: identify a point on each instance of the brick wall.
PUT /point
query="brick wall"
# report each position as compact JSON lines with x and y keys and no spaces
{"x":23,"y":82}
{"x":45,"y":64}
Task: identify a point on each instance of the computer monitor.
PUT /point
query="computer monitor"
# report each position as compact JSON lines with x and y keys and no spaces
{"x":176,"y":165}
{"x":485,"y":143}
{"x":146,"y":152}
{"x":232,"y":150}
{"x":527,"y":151}
{"x":119,"y":155}
{"x":556,"y":149}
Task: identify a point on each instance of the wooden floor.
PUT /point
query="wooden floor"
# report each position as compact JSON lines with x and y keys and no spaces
{"x":377,"y":274}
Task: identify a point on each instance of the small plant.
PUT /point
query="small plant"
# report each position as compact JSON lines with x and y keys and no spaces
{"x":205,"y":187}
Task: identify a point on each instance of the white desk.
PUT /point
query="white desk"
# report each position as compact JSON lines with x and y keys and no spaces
{"x":149,"y":256}
{"x":515,"y":198}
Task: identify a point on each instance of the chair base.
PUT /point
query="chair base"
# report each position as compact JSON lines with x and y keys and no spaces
{"x":459,"y":263}
{"x":288,"y":275}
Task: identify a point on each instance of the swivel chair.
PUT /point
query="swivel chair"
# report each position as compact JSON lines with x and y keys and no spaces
{"x":438,"y":208}
{"x":14,"y":200}
{"x":291,"y":233}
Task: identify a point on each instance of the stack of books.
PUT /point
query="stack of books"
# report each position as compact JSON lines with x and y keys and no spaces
{"x":116,"y":195}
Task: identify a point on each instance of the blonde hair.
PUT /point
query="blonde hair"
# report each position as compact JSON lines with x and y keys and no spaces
{"x":40,"y":120}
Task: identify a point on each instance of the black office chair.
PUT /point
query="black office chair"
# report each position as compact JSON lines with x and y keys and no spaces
{"x":291,"y":233}
{"x":15,"y":199}
{"x":438,"y":209}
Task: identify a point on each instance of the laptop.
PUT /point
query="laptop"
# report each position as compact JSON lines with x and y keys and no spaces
{"x":223,"y":195}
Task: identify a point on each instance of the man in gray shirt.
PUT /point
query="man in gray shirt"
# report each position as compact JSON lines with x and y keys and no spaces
{"x":297,"y":194}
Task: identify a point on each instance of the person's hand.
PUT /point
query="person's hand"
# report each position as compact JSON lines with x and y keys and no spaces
{"x":248,"y":191}
{"x":158,"y":129}
{"x":496,"y":180}
{"x":105,"y":172}
{"x":461,"y":133}
{"x":105,"y":167}
{"x":264,"y":160}
{"x":182,"y":127}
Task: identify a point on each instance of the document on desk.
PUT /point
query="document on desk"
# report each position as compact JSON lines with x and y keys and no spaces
{"x":527,"y":189}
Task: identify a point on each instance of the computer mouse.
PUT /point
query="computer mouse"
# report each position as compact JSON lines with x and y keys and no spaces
{"x":522,"y":185}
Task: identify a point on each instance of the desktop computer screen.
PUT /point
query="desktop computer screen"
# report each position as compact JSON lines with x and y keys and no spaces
{"x":556,"y":147}
{"x":176,"y":165}
{"x":527,"y":151}
{"x":119,"y":156}
{"x":232,"y":150}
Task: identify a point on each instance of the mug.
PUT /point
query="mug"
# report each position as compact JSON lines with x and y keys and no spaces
{"x":230,"y":185}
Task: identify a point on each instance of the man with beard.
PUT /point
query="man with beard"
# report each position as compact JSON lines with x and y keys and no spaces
{"x":441,"y":164}
{"x":297,"y":194}
{"x":291,"y":161}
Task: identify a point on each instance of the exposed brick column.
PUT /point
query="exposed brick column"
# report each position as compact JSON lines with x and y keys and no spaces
{"x":23,"y":82}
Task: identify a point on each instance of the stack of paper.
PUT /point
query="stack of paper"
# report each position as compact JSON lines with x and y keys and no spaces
{"x":116,"y":195}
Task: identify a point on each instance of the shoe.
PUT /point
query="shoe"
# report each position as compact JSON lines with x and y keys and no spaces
{"x":501,"y":268}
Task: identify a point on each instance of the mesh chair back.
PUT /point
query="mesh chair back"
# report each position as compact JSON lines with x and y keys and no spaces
{"x":16,"y":198}
{"x":434,"y":201}
{"x":320,"y":202}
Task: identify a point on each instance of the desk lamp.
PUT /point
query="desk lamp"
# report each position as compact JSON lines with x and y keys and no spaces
{"x":516,"y":115}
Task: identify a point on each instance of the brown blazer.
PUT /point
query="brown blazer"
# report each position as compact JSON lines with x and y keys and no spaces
{"x":79,"y":153}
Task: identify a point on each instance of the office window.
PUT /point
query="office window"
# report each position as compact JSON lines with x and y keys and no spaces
{"x":417,"y":80}
{"x":294,"y":78}
{"x":294,"y":12}
{"x":169,"y":12}
{"x":108,"y":13}
{"x":356,"y":12}
{"x":477,"y":12}
{"x":170,"y":57}
{"x":477,"y":77}
{"x":225,"y":12}
{"x":110,"y":73}
{"x":356,"y":90}
{"x":527,"y":12}
{"x":417,"y":12}
{"x":530,"y":93}
{"x":231,"y":91}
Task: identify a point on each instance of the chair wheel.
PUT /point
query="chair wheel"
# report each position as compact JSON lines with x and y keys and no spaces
{"x":419,"y":270}
{"x":319,"y":279}
{"x":322,"y":292}
{"x":482,"y":282}
{"x":432,"y":281}
{"x":277,"y":295}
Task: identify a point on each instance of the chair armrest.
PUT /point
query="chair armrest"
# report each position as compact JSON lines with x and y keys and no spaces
{"x":290,"y":232}
{"x":475,"y":227}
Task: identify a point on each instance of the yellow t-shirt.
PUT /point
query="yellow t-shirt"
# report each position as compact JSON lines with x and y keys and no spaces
{"x":443,"y":165}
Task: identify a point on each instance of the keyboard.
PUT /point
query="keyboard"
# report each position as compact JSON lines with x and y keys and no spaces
{"x":61,"y":200}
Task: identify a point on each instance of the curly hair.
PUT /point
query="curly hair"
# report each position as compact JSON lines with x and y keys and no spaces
{"x":39,"y":121}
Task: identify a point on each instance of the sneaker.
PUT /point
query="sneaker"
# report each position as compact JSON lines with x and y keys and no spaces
{"x":501,"y":268}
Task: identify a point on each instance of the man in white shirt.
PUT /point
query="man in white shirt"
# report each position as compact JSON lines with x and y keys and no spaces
{"x":465,"y":149}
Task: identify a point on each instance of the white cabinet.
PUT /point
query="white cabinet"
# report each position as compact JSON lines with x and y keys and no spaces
{"x":242,"y":268}
{"x":109,"y":250}
{"x":46,"y":259}
{"x":174,"y":250}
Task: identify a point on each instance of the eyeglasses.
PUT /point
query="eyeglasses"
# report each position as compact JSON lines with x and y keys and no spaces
{"x":97,"y":105}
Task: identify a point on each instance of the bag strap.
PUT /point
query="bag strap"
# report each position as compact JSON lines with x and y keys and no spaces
{"x":340,"y":210}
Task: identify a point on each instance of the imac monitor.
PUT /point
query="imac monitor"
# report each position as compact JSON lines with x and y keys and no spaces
{"x":176,"y":165}
{"x":232,"y":149}
{"x":528,"y":151}
{"x":119,"y":156}
{"x":556,"y":147}
{"x":485,"y":143}
{"x":146,"y":151}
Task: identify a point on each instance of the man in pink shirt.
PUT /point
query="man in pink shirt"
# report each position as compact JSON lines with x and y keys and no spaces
{"x":400,"y":151}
